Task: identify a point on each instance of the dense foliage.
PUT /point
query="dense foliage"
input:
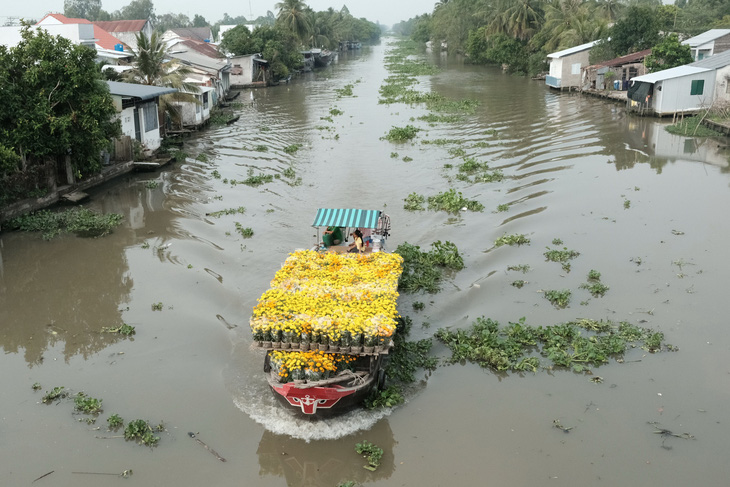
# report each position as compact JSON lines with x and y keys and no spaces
{"x":518,"y":34}
{"x":54,"y":104}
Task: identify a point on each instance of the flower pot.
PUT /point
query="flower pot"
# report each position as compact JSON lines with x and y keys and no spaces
{"x":276,"y":345}
{"x":367,"y":349}
{"x":355,"y":349}
{"x":266,"y":344}
{"x":259,"y":343}
{"x":323,"y":347}
{"x":286,"y":345}
{"x":304,"y":346}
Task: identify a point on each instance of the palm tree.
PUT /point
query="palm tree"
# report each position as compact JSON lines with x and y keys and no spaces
{"x":292,"y":13}
{"x":154,"y":66}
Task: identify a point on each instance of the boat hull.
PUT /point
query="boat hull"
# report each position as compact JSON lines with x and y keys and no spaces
{"x":322,"y":402}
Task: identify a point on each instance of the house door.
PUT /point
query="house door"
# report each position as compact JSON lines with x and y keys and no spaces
{"x":137,"y":130}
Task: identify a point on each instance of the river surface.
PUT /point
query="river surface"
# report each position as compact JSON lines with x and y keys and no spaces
{"x":644,"y":208}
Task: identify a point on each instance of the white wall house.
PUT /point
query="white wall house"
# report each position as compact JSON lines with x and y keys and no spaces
{"x":137,"y":108}
{"x":246,"y":70}
{"x":721,"y":64}
{"x":566,"y":65}
{"x":127,"y":30}
{"x":684,"y":89}
{"x":197,"y":114}
{"x":82,"y":34}
{"x":709,"y":43}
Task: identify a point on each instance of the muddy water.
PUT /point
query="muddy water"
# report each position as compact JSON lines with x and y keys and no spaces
{"x":644,"y":208}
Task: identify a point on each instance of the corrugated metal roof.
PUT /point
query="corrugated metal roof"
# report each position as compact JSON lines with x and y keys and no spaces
{"x":677,"y":72}
{"x":143,"y":92}
{"x":572,"y":50}
{"x":714,"y":62}
{"x":353,"y":218}
{"x":121,"y":25}
{"x":705,"y":37}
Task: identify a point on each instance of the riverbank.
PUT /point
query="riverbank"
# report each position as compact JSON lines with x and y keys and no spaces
{"x":22,"y":207}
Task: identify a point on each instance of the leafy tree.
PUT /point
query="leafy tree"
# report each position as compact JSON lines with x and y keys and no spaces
{"x":154,"y":66}
{"x":637,"y":31}
{"x":293,"y":15}
{"x":172,"y":21}
{"x":669,"y":53}
{"x":136,"y":10}
{"x":422,"y":29}
{"x":54,"y":104}
{"x":239,"y":41}
{"x":82,"y":9}
{"x":199,"y":21}
{"x":277,"y":45}
{"x":228,"y":20}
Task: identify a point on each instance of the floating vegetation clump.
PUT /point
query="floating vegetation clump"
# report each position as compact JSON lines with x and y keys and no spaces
{"x":291,"y":149}
{"x":442,"y":141}
{"x":423,"y":271}
{"x":558,"y":298}
{"x":58,"y":392}
{"x":255,"y":180}
{"x":502,"y":208}
{"x":512,"y":239}
{"x":452,"y":201}
{"x":123,"y":329}
{"x":335,"y":112}
{"x":345,"y":90}
{"x":577,"y":345}
{"x":594,"y":284}
{"x":414,"y":202}
{"x":402,"y":134}
{"x":140,"y":431}
{"x":433,"y":118}
{"x":228,"y":211}
{"x":246,"y":232}
{"x":372,"y":454}
{"x":87,"y":404}
{"x":561,"y":256}
{"x":81,"y":221}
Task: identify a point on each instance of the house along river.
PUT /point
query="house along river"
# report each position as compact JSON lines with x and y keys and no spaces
{"x":642,"y":207}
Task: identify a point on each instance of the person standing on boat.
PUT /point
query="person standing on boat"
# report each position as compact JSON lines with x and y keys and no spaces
{"x":332,"y":236}
{"x":357,"y":244}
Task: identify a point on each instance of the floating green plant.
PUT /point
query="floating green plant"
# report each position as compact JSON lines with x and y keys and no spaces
{"x":58,"y":392}
{"x":452,"y":201}
{"x":123,"y":329}
{"x":87,"y":404}
{"x":515,"y":346}
{"x":524,"y":268}
{"x":115,"y":421}
{"x":246,"y":232}
{"x":423,"y":271}
{"x":512,"y":239}
{"x":502,"y":208}
{"x":558,"y":298}
{"x":140,"y":431}
{"x":557,"y":255}
{"x":157,"y":306}
{"x":414,"y":202}
{"x":292,"y":148}
{"x":372,"y":453}
{"x":81,"y":221}
{"x":228,"y":211}
{"x":407,"y":159}
{"x":261,"y":148}
{"x":386,"y":398}
{"x":402,"y":134}
{"x":519,"y":283}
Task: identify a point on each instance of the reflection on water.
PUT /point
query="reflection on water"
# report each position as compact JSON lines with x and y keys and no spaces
{"x":322,"y":463}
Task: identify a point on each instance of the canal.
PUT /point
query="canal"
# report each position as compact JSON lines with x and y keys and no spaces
{"x":642,"y":207}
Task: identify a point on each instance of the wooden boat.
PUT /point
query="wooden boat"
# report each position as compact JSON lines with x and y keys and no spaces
{"x":330,"y":375}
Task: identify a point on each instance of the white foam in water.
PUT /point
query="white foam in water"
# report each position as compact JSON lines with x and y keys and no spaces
{"x":265,"y":410}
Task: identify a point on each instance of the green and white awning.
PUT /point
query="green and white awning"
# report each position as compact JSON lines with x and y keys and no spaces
{"x":353,"y":218}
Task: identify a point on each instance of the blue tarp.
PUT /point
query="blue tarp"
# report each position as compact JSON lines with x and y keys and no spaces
{"x":353,"y":218}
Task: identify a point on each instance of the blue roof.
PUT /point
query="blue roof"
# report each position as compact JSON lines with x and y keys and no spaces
{"x":133,"y":90}
{"x":337,"y":217}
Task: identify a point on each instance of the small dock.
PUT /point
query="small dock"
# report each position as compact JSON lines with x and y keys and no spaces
{"x":75,"y":197}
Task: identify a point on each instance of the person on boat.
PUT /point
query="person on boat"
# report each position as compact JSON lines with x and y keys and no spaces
{"x":357,"y":244}
{"x":332,"y":236}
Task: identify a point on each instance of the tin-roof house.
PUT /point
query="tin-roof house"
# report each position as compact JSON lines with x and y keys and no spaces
{"x":137,"y":107}
{"x":709,"y":43}
{"x":108,"y":47}
{"x":603,"y":76}
{"x":127,"y":30}
{"x":684,"y":89}
{"x":566,"y":65}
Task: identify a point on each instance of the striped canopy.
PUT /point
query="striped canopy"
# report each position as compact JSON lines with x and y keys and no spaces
{"x":331,"y":217}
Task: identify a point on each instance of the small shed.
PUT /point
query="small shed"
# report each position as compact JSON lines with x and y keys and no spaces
{"x":684,"y":89}
{"x":248,"y":70}
{"x":709,"y":43}
{"x":566,"y":66}
{"x":137,"y":106}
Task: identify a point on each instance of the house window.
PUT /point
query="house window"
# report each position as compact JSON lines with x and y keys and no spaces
{"x":150,"y":116}
{"x":575,"y":68}
{"x":205,"y":100}
{"x":698,"y":86}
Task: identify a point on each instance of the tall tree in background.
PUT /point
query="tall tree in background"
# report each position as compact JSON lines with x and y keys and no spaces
{"x":136,"y":10}
{"x":153,"y":66}
{"x":669,"y":53}
{"x":293,"y":15}
{"x":82,"y":9}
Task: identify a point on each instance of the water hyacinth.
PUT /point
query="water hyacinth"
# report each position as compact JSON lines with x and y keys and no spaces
{"x":327,"y":296}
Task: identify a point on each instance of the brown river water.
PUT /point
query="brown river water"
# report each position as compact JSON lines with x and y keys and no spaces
{"x":571,"y":164}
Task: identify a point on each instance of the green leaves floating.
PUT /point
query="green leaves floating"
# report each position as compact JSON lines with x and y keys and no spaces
{"x":516,"y":347}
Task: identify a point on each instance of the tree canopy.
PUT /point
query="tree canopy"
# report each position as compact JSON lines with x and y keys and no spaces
{"x":55,"y":103}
